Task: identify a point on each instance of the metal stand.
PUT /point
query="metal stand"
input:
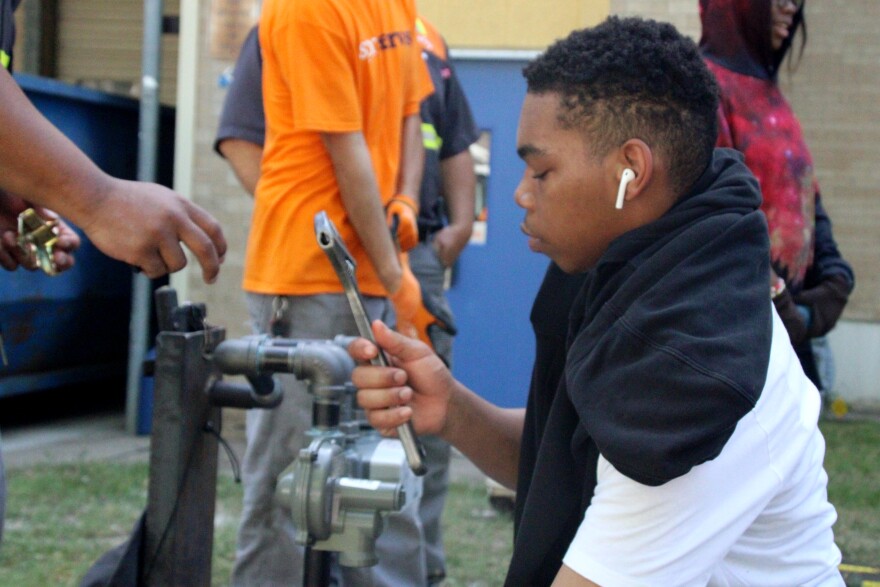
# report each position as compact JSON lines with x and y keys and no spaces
{"x":316,"y":570}
{"x":183,"y":458}
{"x":337,"y":489}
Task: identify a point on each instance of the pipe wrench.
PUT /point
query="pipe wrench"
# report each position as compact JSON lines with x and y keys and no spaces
{"x":344,"y":265}
{"x":37,"y":238}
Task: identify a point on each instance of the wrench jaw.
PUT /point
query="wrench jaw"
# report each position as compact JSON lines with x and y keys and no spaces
{"x":344,"y":264}
{"x":36,"y":239}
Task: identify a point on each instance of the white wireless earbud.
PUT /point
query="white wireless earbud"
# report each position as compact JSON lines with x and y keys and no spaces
{"x":628,"y":176}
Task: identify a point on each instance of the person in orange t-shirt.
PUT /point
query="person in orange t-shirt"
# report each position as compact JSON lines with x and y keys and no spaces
{"x":342,"y":85}
{"x":324,"y":98}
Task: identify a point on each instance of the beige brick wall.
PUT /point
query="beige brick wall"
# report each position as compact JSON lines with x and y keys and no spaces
{"x":99,"y":45}
{"x":216,"y":188}
{"x":836,"y":93}
{"x":681,"y":13}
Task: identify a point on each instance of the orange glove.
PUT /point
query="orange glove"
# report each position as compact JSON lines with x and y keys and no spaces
{"x":407,"y":212}
{"x":413,"y":318}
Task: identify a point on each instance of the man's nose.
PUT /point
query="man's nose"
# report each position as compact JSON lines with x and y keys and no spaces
{"x":523,"y":195}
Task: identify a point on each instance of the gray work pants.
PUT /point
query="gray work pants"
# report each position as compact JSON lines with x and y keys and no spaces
{"x":266,"y":553}
{"x":430,"y":272}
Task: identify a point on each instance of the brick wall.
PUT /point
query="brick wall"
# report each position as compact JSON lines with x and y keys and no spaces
{"x":216,"y":188}
{"x":681,"y":13}
{"x":836,"y":93}
{"x":99,"y":45}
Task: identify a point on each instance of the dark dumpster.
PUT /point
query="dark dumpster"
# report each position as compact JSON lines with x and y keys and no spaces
{"x":73,"y":328}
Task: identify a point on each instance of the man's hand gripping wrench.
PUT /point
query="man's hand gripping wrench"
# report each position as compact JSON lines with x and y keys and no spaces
{"x":344,"y":265}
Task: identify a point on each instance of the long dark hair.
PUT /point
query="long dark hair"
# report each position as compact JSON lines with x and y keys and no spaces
{"x":799,"y":23}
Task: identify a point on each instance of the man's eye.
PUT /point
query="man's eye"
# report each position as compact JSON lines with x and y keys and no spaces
{"x":541,"y":175}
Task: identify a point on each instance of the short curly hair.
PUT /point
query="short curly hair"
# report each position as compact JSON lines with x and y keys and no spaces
{"x":634,"y":78}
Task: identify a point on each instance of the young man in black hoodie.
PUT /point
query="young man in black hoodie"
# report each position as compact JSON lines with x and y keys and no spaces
{"x":670,"y":436}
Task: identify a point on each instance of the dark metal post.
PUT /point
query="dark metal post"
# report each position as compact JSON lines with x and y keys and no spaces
{"x":316,"y":565}
{"x":183,"y":463}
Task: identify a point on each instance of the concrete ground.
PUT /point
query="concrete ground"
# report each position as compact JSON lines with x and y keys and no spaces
{"x":96,"y":437}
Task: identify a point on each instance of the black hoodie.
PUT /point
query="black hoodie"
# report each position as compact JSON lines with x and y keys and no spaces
{"x":667,"y":348}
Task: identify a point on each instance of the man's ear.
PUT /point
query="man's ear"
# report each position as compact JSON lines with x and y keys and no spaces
{"x":634,"y":155}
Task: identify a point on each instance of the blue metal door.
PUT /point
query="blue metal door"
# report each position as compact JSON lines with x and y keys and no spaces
{"x":496,"y":282}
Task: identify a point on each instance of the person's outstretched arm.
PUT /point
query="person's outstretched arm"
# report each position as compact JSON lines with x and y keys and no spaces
{"x":140,"y":223}
{"x":420,"y":388}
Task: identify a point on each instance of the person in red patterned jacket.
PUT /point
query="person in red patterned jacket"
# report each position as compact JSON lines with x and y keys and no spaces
{"x":744,"y":42}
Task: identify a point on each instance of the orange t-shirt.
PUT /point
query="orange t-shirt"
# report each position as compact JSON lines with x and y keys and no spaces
{"x":328,"y":66}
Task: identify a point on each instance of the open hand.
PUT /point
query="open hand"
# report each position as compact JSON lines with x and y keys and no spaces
{"x":145,"y":224}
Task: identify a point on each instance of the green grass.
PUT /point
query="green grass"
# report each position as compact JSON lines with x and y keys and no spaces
{"x":60,"y":519}
{"x":477,"y":537}
{"x":853,"y":465}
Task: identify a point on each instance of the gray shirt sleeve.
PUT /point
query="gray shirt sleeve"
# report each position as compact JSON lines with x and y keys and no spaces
{"x":242,"y":116}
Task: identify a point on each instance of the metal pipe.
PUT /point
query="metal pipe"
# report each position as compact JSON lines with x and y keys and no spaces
{"x":148,"y":133}
{"x":324,"y":363}
{"x":166,"y":304}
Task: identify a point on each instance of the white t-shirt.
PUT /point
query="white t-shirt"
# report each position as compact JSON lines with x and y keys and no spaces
{"x":756,"y":515}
